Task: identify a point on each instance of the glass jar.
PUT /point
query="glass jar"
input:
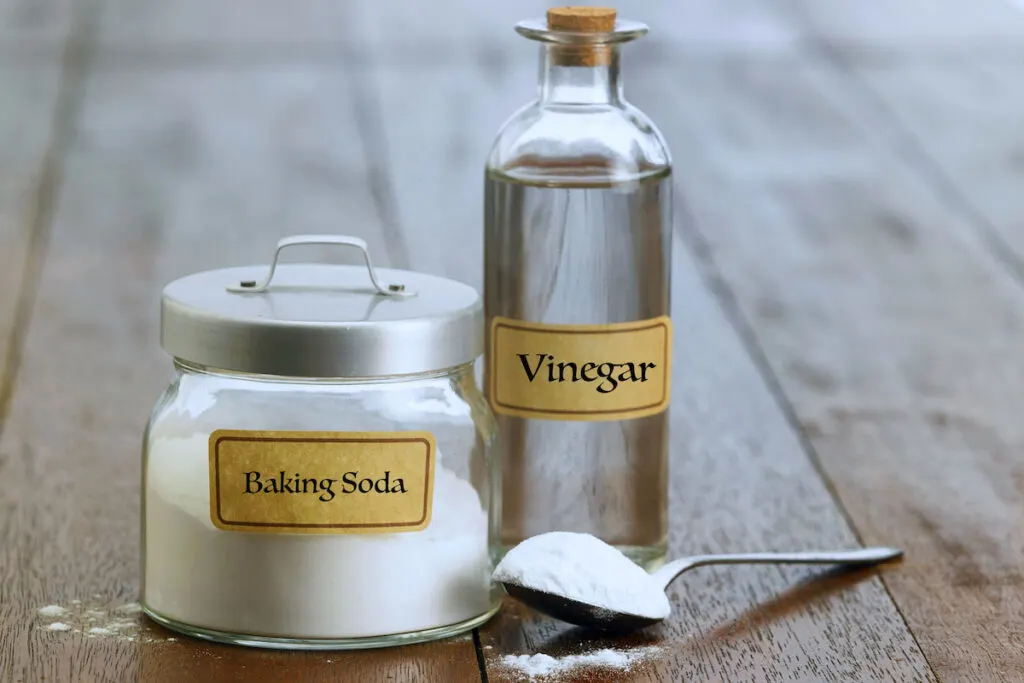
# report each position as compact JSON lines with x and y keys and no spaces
{"x":577,"y":259}
{"x":319,"y":473}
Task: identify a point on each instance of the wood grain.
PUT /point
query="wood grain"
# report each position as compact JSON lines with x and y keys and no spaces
{"x":888,"y":323}
{"x":36,"y":27}
{"x":908,"y":25}
{"x":740,"y":480}
{"x":151,"y":26}
{"x":472,"y":32}
{"x":457,"y":26}
{"x":958,"y":117}
{"x":27,"y":111}
{"x":186,"y":661}
{"x":170,"y":172}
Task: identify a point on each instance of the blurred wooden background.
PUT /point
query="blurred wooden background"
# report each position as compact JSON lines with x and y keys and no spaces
{"x":848,"y":298}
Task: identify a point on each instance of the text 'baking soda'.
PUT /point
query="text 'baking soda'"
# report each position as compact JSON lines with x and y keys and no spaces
{"x":255,"y":482}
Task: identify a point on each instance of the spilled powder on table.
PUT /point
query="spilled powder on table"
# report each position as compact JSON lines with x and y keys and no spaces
{"x":123,"y":622}
{"x":130,"y":608}
{"x":52,"y":611}
{"x":545,"y":667}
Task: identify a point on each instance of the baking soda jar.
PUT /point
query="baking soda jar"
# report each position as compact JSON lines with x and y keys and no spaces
{"x":319,"y":472}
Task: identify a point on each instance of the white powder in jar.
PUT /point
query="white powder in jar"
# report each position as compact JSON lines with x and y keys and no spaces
{"x":307,"y":586}
{"x":584,"y":568}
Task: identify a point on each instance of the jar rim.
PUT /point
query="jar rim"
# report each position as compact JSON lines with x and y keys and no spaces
{"x":197,"y":368}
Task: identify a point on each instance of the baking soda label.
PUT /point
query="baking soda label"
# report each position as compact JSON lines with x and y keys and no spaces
{"x":580,"y":372}
{"x":321,"y":482}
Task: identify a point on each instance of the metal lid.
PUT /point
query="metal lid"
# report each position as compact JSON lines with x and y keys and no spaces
{"x":313,"y":320}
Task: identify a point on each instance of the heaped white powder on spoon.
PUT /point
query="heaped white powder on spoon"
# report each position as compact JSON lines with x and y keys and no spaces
{"x":584,"y":568}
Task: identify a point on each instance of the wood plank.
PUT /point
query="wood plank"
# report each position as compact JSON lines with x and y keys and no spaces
{"x":226,"y":25}
{"x":39,"y":26}
{"x":485,"y":31}
{"x":740,"y":480}
{"x":890,"y":326}
{"x":171,"y":172}
{"x":452,"y":27}
{"x":960,"y":117}
{"x":912,"y":24}
{"x":27,"y":111}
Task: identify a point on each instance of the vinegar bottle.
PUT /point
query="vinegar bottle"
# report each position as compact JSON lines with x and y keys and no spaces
{"x":578,"y":234}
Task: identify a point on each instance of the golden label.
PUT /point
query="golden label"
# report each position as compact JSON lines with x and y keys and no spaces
{"x":321,"y":482}
{"x":580,"y":372}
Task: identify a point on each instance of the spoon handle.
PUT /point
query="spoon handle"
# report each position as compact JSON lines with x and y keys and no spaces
{"x":861,"y":556}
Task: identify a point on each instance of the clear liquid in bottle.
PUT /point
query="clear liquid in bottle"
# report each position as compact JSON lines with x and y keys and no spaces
{"x":578,"y":234}
{"x":582,"y":253}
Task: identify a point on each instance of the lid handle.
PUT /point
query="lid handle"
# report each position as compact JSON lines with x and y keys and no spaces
{"x":393,"y":290}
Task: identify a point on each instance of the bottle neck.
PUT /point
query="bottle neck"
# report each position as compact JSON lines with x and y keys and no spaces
{"x":566,"y":78}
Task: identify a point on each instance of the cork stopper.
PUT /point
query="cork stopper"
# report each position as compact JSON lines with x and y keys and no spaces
{"x":582,"y":19}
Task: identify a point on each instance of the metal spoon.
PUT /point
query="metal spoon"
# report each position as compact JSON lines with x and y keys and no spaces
{"x":600,"y":618}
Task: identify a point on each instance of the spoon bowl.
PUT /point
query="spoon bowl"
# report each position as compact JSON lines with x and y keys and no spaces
{"x":604,"y":619}
{"x":578,"y":613}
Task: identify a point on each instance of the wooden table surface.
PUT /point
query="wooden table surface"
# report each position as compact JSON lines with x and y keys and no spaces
{"x":848,"y":298}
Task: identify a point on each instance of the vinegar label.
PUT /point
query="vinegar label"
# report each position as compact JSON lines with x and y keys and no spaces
{"x":321,"y":482}
{"x":580,"y":372}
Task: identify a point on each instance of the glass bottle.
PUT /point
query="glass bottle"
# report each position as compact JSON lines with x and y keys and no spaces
{"x":578,"y":234}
